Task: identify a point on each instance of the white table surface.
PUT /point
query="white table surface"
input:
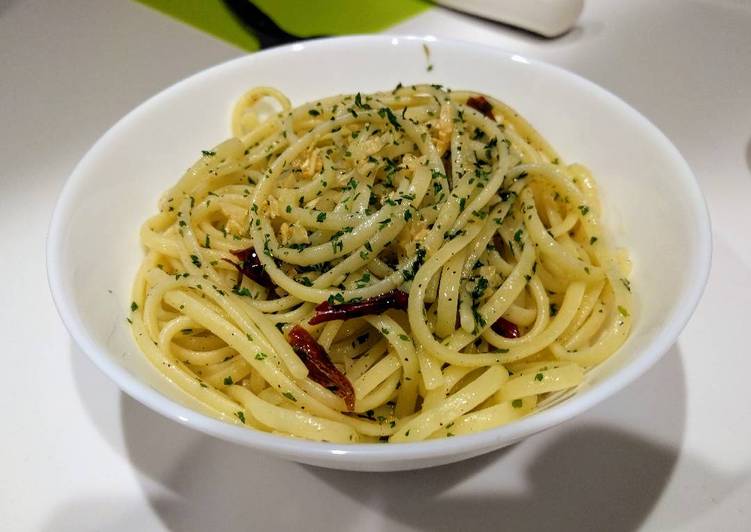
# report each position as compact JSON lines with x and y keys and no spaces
{"x":671,"y":452}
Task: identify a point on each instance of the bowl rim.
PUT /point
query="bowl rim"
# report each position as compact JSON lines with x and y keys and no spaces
{"x":377,"y":453}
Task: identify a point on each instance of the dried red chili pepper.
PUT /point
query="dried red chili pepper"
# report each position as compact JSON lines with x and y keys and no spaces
{"x":320,"y":367}
{"x":505,"y":328}
{"x":498,"y":243}
{"x":395,"y":299}
{"x":250,"y":265}
{"x":446,"y":160}
{"x":479,"y":103}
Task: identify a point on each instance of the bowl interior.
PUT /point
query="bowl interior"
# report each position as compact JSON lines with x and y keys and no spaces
{"x":652,"y":205}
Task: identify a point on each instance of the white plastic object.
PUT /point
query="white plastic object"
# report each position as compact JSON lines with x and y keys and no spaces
{"x":550,"y":18}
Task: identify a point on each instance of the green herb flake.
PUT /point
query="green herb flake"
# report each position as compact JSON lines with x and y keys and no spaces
{"x":289,"y":396}
{"x":517,"y":403}
{"x":240,"y":416}
{"x":363,"y":281}
{"x":242,"y":291}
{"x":539,"y":377}
{"x":385,"y":112}
{"x":228,"y":380}
{"x":358,"y":102}
{"x":133,"y":306}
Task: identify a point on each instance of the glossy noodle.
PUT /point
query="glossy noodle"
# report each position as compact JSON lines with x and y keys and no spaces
{"x":398,"y":266}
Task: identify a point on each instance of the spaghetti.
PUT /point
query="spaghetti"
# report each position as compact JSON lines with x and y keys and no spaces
{"x":398,"y":266}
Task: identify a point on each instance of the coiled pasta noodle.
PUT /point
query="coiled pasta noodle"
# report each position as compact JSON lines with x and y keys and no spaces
{"x":451,"y":197}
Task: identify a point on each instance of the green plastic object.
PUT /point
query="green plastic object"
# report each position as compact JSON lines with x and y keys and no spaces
{"x":300,"y":18}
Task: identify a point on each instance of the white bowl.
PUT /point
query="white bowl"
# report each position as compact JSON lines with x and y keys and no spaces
{"x":653,"y":207}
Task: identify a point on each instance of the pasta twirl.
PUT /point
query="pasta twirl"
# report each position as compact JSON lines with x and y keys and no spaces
{"x":398,"y":266}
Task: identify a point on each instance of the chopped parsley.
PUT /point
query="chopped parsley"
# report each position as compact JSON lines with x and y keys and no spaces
{"x":363,"y":281}
{"x":336,"y":298}
{"x":480,"y":287}
{"x":409,"y":273}
{"x":385,"y":112}
{"x":242,"y":291}
{"x":358,"y":102}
